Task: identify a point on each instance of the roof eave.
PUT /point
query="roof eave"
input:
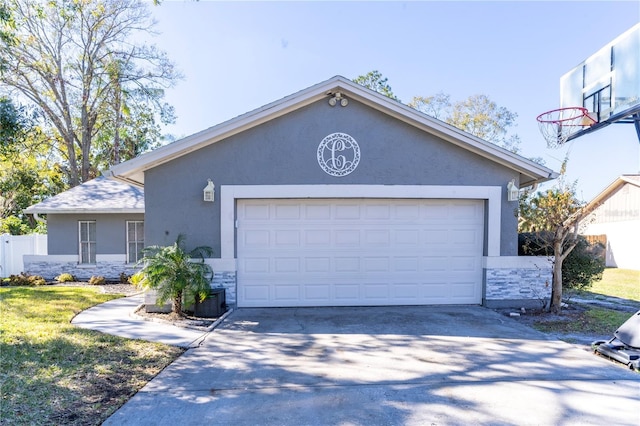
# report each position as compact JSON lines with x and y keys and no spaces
{"x":602,"y":196}
{"x":132,"y":171}
{"x":82,"y":211}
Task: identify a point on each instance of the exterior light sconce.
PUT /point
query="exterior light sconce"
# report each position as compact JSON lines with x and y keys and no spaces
{"x":337,"y":97}
{"x":209,"y":191}
{"x":513,"y":192}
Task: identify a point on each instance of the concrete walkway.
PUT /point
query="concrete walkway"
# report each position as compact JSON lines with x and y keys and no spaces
{"x":116,"y":317}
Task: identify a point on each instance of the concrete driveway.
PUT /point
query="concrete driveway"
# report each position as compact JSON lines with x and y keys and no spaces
{"x":384,"y":365}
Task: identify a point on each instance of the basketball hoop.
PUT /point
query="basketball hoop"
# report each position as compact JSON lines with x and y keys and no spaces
{"x":557,"y":125}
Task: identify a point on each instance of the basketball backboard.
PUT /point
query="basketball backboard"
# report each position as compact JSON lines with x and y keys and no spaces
{"x":607,"y":84}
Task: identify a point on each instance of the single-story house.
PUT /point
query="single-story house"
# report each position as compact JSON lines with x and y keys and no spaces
{"x":616,"y":214}
{"x":339,"y":196}
{"x":96,"y":228}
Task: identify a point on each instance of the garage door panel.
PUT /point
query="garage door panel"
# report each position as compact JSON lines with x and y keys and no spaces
{"x":256,"y":293}
{"x":317,"y":264}
{"x":377,"y":237}
{"x":434,"y":264}
{"x":375,"y":291}
{"x":286,"y":265}
{"x":286,"y":211}
{"x":253,"y":211}
{"x":317,"y":292}
{"x":406,"y":237}
{"x":347,"y":211}
{"x":347,"y":292}
{"x":407,"y":291}
{"x":359,"y":252}
{"x":375,"y":264}
{"x":256,"y":238}
{"x":347,"y":237}
{"x":406,"y":264}
{"x":318,"y":212}
{"x":377,"y":211}
{"x":256,"y":265}
{"x":286,"y":292}
{"x":347,"y":264}
{"x":317,"y":237}
{"x":287,"y":238}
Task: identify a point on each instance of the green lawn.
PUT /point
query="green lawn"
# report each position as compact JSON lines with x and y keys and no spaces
{"x":623,"y":283}
{"x":52,"y":372}
{"x":596,"y":321}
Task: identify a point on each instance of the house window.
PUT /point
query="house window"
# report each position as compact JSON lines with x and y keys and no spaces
{"x":135,"y":241}
{"x":87,"y":241}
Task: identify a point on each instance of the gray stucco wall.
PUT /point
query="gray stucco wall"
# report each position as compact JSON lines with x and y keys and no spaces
{"x":62,"y":230}
{"x":283,"y":152}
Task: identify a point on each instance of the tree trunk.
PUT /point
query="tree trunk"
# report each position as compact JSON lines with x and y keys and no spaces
{"x":74,"y":178}
{"x":556,"y":288}
{"x":177,"y":304}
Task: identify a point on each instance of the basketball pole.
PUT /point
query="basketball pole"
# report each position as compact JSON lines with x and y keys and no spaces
{"x":636,"y":124}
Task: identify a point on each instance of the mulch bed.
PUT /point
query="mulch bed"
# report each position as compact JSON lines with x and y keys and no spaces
{"x":187,"y":321}
{"x":108,"y":288}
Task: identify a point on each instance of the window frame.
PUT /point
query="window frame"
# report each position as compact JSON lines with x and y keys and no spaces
{"x":89,"y":244}
{"x":136,"y":241}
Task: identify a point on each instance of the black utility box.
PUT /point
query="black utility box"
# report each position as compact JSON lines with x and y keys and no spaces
{"x":213,"y":306}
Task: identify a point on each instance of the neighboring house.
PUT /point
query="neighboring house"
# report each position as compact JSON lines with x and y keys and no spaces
{"x":616,"y":214}
{"x":96,"y":228}
{"x":339,"y":196}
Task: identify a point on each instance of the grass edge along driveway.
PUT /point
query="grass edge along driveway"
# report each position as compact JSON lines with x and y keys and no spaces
{"x":52,"y":372}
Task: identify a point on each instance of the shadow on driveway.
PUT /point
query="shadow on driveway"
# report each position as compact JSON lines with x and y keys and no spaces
{"x":384,"y":365}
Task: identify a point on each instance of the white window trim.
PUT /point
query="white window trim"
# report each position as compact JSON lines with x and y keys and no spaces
{"x":80,"y":262}
{"x":230,"y":193}
{"x":127,"y":239}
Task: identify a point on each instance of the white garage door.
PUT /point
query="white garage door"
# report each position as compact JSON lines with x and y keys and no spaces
{"x":359,"y":252}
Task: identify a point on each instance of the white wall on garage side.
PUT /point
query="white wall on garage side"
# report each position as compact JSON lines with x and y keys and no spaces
{"x":622,"y":242}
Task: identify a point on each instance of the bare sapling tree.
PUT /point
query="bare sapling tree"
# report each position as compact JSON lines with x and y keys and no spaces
{"x":556,"y":216}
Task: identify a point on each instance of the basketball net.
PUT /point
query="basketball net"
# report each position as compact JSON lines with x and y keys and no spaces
{"x":557,"y":125}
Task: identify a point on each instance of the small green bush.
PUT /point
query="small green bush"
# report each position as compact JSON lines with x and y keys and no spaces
{"x":584,"y":265}
{"x":580,"y":269}
{"x":65,"y":278}
{"x":97,"y":280}
{"x":26,"y":280}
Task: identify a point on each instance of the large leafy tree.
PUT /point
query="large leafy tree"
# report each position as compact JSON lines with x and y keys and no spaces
{"x":15,"y":124}
{"x":76,"y":61}
{"x":374,"y":80}
{"x":477,"y":114}
{"x":28,"y":169}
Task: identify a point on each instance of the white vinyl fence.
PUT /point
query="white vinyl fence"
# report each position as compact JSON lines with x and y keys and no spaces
{"x":13,"y":247}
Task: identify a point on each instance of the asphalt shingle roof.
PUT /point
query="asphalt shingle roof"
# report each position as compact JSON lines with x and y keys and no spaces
{"x":100,"y":195}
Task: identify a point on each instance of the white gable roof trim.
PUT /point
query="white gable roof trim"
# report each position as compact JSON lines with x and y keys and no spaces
{"x":609,"y":190}
{"x":530,"y":172}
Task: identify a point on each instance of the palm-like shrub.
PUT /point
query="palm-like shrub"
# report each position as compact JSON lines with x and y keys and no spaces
{"x":175,"y":274}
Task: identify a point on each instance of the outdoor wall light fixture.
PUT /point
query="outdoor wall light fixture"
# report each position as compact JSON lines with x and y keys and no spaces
{"x":209,"y":191}
{"x":513,"y":192}
{"x":337,"y":97}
